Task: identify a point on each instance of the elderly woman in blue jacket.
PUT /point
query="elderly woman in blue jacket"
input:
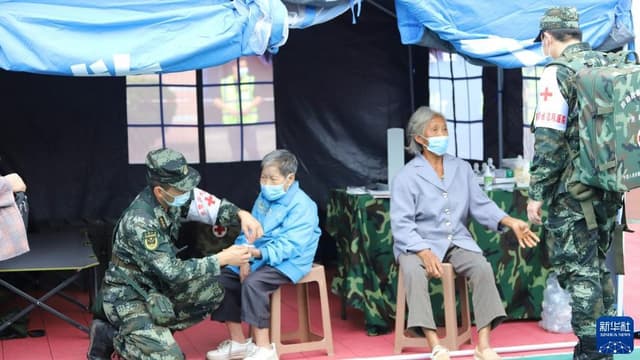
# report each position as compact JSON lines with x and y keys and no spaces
{"x":432,"y":198}
{"x":284,"y":254}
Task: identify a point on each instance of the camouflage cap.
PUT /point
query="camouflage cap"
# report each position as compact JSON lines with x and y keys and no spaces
{"x":167,"y":166}
{"x":563,"y":17}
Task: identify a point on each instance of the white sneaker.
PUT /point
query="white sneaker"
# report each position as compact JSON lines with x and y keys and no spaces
{"x":260,"y":353}
{"x":230,"y":349}
{"x":440,"y":352}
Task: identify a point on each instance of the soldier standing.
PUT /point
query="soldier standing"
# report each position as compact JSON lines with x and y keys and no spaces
{"x":148,"y":293}
{"x":581,"y":219}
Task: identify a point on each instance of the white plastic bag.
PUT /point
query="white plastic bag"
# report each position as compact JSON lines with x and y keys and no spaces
{"x":556,"y":307}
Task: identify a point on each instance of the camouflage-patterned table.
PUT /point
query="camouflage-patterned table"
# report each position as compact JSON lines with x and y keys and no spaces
{"x":367,"y":274}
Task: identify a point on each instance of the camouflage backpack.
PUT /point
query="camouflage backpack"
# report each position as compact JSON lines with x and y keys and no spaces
{"x":608,"y":99}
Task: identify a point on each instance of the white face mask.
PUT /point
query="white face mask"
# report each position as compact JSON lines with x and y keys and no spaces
{"x":545,"y":49}
{"x":178,"y":200}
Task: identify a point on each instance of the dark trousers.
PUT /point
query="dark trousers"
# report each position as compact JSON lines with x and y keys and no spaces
{"x":249,"y":301}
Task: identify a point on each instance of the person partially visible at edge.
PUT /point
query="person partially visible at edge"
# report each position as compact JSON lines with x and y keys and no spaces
{"x":144,"y":267}
{"x":283,"y":255}
{"x":432,"y":198}
{"x":576,"y":253}
{"x":230,"y":98}
{"x":13,"y":233}
{"x":238,"y":91}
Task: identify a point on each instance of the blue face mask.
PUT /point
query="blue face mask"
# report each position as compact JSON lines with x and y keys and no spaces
{"x":273,"y":192}
{"x":437,"y":144}
{"x":178,"y":200}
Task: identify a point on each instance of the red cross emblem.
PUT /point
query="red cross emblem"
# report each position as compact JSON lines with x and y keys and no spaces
{"x":545,"y":94}
{"x":210,"y":200}
{"x":219,"y":231}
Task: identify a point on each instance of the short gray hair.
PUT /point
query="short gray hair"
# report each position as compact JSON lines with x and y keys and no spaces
{"x":284,"y":160}
{"x":416,"y":125}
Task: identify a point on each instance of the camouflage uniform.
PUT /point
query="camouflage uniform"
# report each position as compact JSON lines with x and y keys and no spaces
{"x":576,"y":253}
{"x":144,"y":254}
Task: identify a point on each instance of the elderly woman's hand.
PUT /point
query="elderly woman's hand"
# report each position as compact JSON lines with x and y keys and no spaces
{"x":245,"y":270}
{"x":526,"y":237}
{"x":250,"y":226}
{"x":431,"y":263}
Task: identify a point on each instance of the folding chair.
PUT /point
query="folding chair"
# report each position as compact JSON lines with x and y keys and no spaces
{"x":55,"y":251}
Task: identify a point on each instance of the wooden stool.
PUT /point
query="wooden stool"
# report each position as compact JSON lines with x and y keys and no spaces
{"x":454,"y":336}
{"x":307,"y":340}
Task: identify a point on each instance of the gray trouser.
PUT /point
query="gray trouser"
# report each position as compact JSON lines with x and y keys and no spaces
{"x":487,"y":305}
{"x":249,"y":301}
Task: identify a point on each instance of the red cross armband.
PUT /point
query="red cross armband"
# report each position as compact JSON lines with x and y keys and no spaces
{"x":204,"y":207}
{"x":552,"y":108}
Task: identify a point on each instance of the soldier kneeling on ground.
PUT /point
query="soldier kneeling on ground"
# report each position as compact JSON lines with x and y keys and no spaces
{"x":148,"y":292}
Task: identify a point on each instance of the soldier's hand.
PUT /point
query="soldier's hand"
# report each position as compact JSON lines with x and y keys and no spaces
{"x":16,"y":182}
{"x":245,"y":270}
{"x":250,"y":226}
{"x":234,"y":255}
{"x":534,"y":212}
{"x":432,"y":264}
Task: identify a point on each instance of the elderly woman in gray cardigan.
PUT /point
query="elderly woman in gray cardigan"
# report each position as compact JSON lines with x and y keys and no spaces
{"x":432,"y":198}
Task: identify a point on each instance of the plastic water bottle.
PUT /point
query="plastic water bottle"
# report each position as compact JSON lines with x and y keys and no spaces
{"x":488,"y":176}
{"x":518,"y":172}
{"x":490,"y":165}
{"x":476,"y":169}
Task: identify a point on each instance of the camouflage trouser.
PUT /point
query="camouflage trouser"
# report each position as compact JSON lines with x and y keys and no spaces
{"x":139,"y":338}
{"x":578,"y":257}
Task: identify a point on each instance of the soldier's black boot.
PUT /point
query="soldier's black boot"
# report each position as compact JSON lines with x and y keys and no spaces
{"x":101,"y":340}
{"x":586,"y":349}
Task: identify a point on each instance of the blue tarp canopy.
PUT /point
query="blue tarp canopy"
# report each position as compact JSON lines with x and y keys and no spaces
{"x":121,"y":37}
{"x":502,"y":34}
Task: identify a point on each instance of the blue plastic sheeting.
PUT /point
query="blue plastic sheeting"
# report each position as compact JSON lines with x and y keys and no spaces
{"x":502,"y":33}
{"x":121,"y":37}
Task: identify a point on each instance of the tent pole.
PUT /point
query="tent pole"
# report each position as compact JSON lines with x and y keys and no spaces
{"x":382,"y":8}
{"x":619,"y":280}
{"x":500,"y":116}
{"x":412,"y":95}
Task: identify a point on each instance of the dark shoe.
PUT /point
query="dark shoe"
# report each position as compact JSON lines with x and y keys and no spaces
{"x":586,"y":349}
{"x":101,"y":340}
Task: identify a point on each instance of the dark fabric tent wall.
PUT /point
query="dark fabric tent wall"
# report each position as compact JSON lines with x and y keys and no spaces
{"x":338,"y":87}
{"x":337,"y":98}
{"x":67,"y":138}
